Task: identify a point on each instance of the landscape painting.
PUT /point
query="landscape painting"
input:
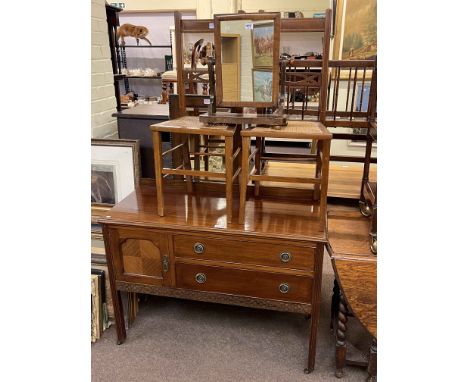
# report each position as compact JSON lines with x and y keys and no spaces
{"x":262,"y":81}
{"x":360,"y":30}
{"x":262,"y":45}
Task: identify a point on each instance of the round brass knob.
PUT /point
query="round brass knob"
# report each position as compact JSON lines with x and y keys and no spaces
{"x":198,"y":248}
{"x":200,"y":278}
{"x":284,"y":288}
{"x":285,"y":257}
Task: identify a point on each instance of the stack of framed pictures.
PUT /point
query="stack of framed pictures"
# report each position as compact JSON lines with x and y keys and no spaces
{"x":115,"y":172}
{"x":262,"y":61}
{"x":115,"y":169}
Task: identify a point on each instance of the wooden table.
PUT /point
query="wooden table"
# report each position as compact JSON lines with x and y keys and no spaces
{"x":355,"y":270}
{"x":273,"y":262}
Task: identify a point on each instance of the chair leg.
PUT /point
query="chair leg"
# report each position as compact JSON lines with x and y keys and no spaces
{"x":206,"y":159}
{"x":158,"y":161}
{"x":196,"y":148}
{"x":187,"y":165}
{"x":318,"y":170}
{"x":229,"y":174}
{"x":244,"y":177}
{"x":259,"y":148}
{"x":324,"y":183}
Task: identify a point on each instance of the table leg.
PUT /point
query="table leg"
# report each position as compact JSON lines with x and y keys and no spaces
{"x":372,"y":366}
{"x":340,"y":345}
{"x":116,"y":296}
{"x":334,"y":303}
{"x":315,"y":312}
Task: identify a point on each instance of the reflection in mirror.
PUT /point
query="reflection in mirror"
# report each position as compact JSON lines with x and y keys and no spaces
{"x":247,"y":48}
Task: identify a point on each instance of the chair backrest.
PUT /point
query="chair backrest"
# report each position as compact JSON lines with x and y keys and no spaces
{"x":194,"y":105}
{"x":352,"y":93}
{"x":181,"y":27}
{"x":305,"y":81}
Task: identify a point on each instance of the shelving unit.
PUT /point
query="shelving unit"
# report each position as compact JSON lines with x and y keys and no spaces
{"x":122,"y":57}
{"x":119,"y":54}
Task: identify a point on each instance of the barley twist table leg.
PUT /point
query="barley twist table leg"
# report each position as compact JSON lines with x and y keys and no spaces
{"x":340,"y":345}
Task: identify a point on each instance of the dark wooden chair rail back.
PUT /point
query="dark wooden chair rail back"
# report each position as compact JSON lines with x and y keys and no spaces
{"x":346,"y":104}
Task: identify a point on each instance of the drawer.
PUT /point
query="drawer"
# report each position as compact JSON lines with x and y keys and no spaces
{"x":283,"y":255}
{"x":273,"y":286}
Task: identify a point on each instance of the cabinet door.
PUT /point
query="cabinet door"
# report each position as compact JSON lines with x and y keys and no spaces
{"x":140,"y":255}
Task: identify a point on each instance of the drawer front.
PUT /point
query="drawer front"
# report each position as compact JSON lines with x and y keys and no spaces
{"x":284,"y":255}
{"x":273,"y":286}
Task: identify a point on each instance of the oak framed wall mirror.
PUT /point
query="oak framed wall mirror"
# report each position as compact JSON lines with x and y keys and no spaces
{"x":247,"y":59}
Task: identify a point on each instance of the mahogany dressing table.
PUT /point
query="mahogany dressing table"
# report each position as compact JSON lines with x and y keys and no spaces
{"x":273,"y":261}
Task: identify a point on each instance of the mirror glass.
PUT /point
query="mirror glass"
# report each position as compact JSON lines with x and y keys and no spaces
{"x":247,"y":60}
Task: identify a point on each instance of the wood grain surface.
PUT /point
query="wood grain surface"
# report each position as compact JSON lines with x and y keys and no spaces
{"x":239,"y":282}
{"x":354,"y":264}
{"x":205,"y":212}
{"x":245,"y":252}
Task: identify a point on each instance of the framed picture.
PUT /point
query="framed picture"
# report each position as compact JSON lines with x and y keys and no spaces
{"x":262,"y":84}
{"x":115,"y":170}
{"x":356,"y":30}
{"x":262,"y":44}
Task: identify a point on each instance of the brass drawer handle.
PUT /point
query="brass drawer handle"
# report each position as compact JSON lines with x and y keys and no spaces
{"x":198,"y":248}
{"x":285,"y":257}
{"x":284,"y":288}
{"x":200,"y":278}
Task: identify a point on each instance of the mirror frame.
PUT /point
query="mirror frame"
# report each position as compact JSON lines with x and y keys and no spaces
{"x":270,"y":16}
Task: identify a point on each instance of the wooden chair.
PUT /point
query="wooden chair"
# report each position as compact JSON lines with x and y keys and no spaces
{"x":294,"y":130}
{"x":186,"y":126}
{"x":368,"y":197}
{"x":309,"y":130}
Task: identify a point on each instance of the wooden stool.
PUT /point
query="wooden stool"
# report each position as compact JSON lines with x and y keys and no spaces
{"x":310,"y":130}
{"x":192,"y":126}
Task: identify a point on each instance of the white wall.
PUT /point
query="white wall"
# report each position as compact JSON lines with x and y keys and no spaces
{"x":103,"y":102}
{"x":246,"y":65}
{"x":307,"y":7}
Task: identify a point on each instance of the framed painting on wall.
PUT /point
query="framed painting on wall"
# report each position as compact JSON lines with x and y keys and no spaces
{"x":262,"y":44}
{"x":115,"y":170}
{"x":262,"y":84}
{"x":356,"y":30}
